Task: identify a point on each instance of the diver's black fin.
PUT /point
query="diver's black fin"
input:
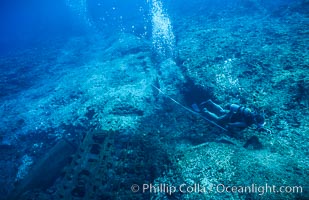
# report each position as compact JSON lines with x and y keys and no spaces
{"x":188,"y":109}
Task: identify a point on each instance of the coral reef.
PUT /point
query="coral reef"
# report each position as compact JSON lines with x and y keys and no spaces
{"x":82,"y":120}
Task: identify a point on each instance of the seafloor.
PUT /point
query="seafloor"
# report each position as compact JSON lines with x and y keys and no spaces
{"x":81,"y":120}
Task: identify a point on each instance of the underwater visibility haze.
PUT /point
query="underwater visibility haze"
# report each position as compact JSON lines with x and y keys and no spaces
{"x":154,"y":99}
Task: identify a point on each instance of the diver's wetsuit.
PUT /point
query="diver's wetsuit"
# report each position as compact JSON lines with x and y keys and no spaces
{"x":236,"y":119}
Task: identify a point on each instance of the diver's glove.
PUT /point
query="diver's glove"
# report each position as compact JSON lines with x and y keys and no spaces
{"x":260,"y":128}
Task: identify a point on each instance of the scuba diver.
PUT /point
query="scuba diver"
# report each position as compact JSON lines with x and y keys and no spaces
{"x":236,"y":119}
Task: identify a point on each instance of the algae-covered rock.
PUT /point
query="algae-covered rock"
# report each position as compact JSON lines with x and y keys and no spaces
{"x":214,"y":168}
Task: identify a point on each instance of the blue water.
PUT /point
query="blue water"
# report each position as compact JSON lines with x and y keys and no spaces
{"x":96,"y":99}
{"x":25,"y":23}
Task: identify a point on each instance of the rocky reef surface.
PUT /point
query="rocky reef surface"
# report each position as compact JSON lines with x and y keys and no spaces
{"x":82,"y":120}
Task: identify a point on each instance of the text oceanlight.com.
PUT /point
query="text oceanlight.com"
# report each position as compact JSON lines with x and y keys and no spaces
{"x":220,"y":188}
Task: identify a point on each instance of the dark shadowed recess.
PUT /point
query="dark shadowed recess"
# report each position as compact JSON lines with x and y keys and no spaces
{"x":195,"y":93}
